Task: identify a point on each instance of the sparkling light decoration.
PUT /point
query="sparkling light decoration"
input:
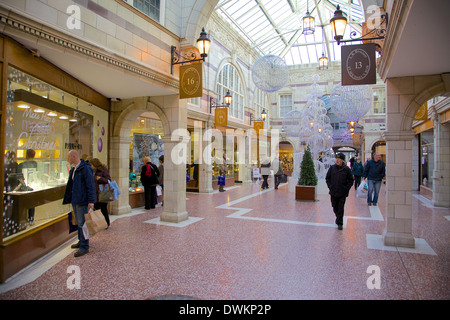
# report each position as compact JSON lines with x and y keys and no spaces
{"x":270,"y":73}
{"x":292,"y":123}
{"x":315,"y":128}
{"x":312,"y":127}
{"x":350,"y":103}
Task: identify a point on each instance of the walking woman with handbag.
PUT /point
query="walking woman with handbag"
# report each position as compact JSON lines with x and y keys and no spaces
{"x":101,"y":177}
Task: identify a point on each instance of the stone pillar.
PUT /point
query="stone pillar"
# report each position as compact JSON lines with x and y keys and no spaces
{"x":204,"y":169}
{"x":398,"y":230}
{"x":119,"y":163}
{"x":174,"y":160}
{"x":174,"y":209}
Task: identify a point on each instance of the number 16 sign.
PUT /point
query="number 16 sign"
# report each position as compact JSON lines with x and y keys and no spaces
{"x":191,"y":84}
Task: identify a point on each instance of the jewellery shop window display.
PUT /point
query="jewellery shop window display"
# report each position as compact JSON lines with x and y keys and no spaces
{"x":146,"y":134}
{"x":43,"y":123}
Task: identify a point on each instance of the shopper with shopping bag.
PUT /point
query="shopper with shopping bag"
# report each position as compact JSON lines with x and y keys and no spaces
{"x":80,"y":192}
{"x":105,"y":193}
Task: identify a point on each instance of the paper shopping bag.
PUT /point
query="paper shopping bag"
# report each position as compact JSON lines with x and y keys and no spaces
{"x":95,"y":221}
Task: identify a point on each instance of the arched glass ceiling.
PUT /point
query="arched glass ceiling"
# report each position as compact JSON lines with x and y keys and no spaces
{"x":275,"y":26}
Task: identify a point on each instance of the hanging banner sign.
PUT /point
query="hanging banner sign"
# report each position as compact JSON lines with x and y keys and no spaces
{"x":422,"y":113}
{"x":258,"y":125}
{"x":358,"y":64}
{"x":221,"y":117}
{"x":191,"y":80}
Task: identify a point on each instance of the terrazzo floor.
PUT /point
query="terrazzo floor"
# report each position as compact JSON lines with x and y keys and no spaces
{"x":248,"y":244}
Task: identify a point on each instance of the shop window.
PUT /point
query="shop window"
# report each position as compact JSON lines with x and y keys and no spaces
{"x":146,"y":134}
{"x":427,"y":158}
{"x":43,"y":124}
{"x":286,"y":156}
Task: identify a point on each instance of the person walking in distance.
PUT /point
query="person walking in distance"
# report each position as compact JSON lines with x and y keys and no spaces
{"x":149,"y":179}
{"x":265,"y":172}
{"x":358,"y":171}
{"x":276,"y":165}
{"x":339,"y":180}
{"x":80,"y":192}
{"x":374,"y":171}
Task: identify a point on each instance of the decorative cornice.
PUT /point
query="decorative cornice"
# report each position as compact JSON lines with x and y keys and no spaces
{"x":65,"y":42}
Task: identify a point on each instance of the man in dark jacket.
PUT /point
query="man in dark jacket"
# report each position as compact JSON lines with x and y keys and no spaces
{"x":374,"y":171}
{"x":81,"y":193}
{"x":339,"y":180}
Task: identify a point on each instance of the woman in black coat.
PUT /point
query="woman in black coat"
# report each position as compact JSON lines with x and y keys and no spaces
{"x":149,"y":180}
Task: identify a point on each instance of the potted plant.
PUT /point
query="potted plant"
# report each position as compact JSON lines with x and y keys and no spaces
{"x":306,"y":185}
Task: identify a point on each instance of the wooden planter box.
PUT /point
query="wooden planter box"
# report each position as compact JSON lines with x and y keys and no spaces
{"x":305,"y":193}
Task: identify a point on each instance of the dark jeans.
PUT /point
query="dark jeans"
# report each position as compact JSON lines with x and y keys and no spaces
{"x":150,"y":195}
{"x":103,"y":206}
{"x":277,"y":180}
{"x":80,"y":211}
{"x":338,"y":204}
{"x":265,"y":184}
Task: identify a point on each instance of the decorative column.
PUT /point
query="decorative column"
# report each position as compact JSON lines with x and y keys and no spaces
{"x":441,"y":171}
{"x":204,"y":169}
{"x":175,"y":158}
{"x":398,"y":230}
{"x":119,"y":163}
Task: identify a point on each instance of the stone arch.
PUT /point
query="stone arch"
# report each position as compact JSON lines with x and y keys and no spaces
{"x":418,"y":100}
{"x":196,"y":19}
{"x":123,"y":116}
{"x":131,"y":110}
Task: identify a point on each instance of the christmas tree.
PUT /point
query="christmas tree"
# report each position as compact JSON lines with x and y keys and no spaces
{"x":307,"y":171}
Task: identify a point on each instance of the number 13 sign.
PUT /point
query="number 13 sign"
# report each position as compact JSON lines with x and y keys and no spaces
{"x":358,"y":64}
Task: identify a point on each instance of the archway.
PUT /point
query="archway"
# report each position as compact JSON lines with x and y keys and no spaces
{"x":405,"y":95}
{"x":286,"y":156}
{"x":379,"y":146}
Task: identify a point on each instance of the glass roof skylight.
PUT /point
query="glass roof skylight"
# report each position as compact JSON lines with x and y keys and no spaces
{"x":275,"y":26}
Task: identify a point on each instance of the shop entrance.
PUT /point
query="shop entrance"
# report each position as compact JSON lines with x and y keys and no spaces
{"x":286,"y":155}
{"x":146,"y":140}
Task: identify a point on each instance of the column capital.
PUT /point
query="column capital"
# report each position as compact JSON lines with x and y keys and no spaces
{"x":398,"y":135}
{"x":120,"y":139}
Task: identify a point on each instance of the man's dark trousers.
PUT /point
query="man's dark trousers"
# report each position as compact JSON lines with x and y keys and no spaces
{"x":338,"y":204}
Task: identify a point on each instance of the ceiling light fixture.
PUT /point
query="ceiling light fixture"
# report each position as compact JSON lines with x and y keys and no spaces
{"x":339,"y":22}
{"x":308,"y":22}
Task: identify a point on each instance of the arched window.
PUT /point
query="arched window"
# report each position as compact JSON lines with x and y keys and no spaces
{"x":261,"y":103}
{"x":229,"y":80}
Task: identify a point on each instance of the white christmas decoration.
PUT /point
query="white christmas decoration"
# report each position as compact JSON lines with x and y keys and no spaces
{"x":350,"y":103}
{"x":315,"y":129}
{"x":270,"y":73}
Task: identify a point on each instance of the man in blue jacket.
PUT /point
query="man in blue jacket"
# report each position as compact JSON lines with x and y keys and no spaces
{"x":374,"y":171}
{"x":81,"y":193}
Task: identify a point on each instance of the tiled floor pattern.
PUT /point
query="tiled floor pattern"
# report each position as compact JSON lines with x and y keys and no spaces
{"x":250,"y":244}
